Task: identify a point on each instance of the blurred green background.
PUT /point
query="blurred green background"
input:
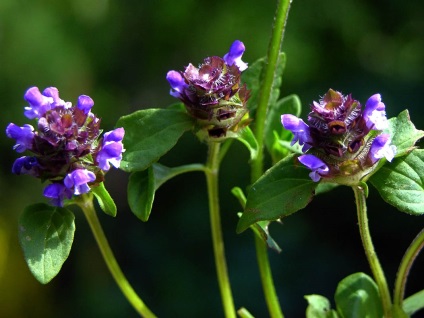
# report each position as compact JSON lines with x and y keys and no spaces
{"x":118,"y":52}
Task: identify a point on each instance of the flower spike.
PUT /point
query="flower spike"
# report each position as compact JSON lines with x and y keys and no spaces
{"x":65,"y":148}
{"x":342,"y":141}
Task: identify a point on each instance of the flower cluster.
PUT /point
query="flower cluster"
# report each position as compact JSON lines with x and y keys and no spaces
{"x":66,"y":148}
{"x":212,"y":93}
{"x":342,"y":140}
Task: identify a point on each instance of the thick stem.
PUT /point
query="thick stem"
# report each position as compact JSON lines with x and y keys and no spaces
{"x":211,"y":171}
{"x":405,"y":266}
{"x":373,"y":261}
{"x":281,"y":16}
{"x":86,"y":204}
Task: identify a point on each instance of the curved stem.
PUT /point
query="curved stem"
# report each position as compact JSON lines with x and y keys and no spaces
{"x":405,"y":266}
{"x":85,"y":202}
{"x":211,"y":172}
{"x":376,"y":268}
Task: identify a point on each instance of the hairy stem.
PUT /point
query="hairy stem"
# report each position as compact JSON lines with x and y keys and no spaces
{"x":86,"y":204}
{"x":373,"y":261}
{"x":405,"y":266}
{"x":211,"y":171}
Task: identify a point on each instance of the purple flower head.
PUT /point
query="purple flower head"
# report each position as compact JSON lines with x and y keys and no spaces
{"x":78,"y":180}
{"x":300,"y":130}
{"x":177,"y":82}
{"x":319,"y":168}
{"x":234,"y":55}
{"x":26,"y":165}
{"x":57,"y":192}
{"x":111,"y":149}
{"x":65,"y":147}
{"x":342,"y":140}
{"x":85,"y":103}
{"x":213,"y":93}
{"x":24,"y":136}
{"x":381,"y":148}
{"x":375,"y":113}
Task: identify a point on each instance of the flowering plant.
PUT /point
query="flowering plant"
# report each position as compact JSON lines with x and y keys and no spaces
{"x":222,"y":101}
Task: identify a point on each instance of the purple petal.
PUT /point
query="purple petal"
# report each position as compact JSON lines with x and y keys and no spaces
{"x":300,"y":130}
{"x":177,"y":83}
{"x":26,"y":165}
{"x":39,"y":104}
{"x":57,"y":192}
{"x":381,"y":147}
{"x":111,"y":150}
{"x":85,"y":103}
{"x":319,"y":168}
{"x":234,"y":55}
{"x":53,"y":92}
{"x":114,"y":135}
{"x":375,"y":113}
{"x":24,"y":136}
{"x":79,"y":179}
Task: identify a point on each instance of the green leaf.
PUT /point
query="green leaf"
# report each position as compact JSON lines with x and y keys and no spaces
{"x":357,"y":296}
{"x":261,"y":228}
{"x":404,"y":134}
{"x":282,"y":190}
{"x":142,"y":186}
{"x":247,"y":137}
{"x":253,"y":77}
{"x":319,"y":307}
{"x":104,"y":199}
{"x":324,"y":187}
{"x":273,"y":127}
{"x":151,"y":133}
{"x":401,"y":182}
{"x":46,"y":234}
{"x":414,"y":303}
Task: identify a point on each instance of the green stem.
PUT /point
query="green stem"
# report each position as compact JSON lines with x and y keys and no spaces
{"x":266,"y":278}
{"x":211,"y":172}
{"x":266,"y":88}
{"x":373,"y":261}
{"x":258,"y":164}
{"x":85,"y":202}
{"x":405,"y":266}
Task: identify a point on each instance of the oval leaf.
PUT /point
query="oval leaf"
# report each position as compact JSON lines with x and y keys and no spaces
{"x":357,"y":296}
{"x":46,"y":234}
{"x":282,"y":190}
{"x":104,"y":199}
{"x":141,"y":193}
{"x":151,"y":133}
{"x":401,"y":182}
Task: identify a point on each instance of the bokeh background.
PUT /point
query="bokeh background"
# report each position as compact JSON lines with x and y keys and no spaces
{"x":118,"y":52}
